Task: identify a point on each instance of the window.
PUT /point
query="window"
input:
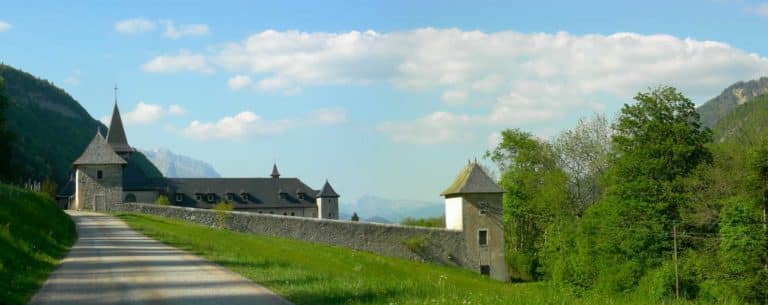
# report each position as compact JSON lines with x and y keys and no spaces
{"x":99,"y":174}
{"x":178,"y":197}
{"x":483,"y":208}
{"x":285,"y":213}
{"x":482,"y":237}
{"x":301,"y":196}
{"x":198,"y":197}
{"x":230,"y":197}
{"x":485,"y":269}
{"x":210,"y":197}
{"x":260,"y":212}
{"x":130,"y":197}
{"x":245,"y":196}
{"x":282,"y":196}
{"x":293,"y":214}
{"x":329,"y":215}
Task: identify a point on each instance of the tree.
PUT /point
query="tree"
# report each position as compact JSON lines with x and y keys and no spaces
{"x":162,"y":200}
{"x":535,"y":199}
{"x":5,"y":137}
{"x":657,"y":143}
{"x":582,"y":153}
{"x":355,"y":217}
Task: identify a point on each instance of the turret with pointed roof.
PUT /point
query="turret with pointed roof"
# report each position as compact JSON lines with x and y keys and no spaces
{"x":472,"y":179}
{"x":116,"y":134}
{"x":327,"y":191}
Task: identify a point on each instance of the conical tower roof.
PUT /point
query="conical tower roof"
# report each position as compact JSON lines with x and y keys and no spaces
{"x":275,"y":173}
{"x":327,"y":191}
{"x":116,"y":134}
{"x":98,"y":152}
{"x":472,"y":179}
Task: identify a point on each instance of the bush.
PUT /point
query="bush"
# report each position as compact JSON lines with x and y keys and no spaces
{"x":417,"y":244}
{"x":162,"y":200}
{"x":223,"y":209}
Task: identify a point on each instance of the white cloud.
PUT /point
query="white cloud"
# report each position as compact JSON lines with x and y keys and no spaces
{"x":504,"y":71}
{"x":494,"y":139}
{"x":239,"y":82}
{"x":183,"y":61}
{"x":176,"y":110}
{"x":247,"y":124}
{"x":4,"y":26}
{"x":134,"y":26}
{"x":454,"y":96}
{"x":760,"y":9}
{"x":74,"y":78}
{"x":328,"y":116}
{"x":173,"y":31}
{"x":145,"y":113}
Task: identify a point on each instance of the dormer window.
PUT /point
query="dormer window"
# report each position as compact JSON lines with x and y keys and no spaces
{"x":178,"y":197}
{"x":301,"y":196}
{"x":230,"y":197}
{"x":198,"y":197}
{"x":244,"y":196}
{"x":283,"y":196}
{"x":210,"y":197}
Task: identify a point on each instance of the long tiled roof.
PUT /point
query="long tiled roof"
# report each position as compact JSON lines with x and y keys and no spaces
{"x":261,"y":192}
{"x":472,"y":179}
{"x":98,"y":152}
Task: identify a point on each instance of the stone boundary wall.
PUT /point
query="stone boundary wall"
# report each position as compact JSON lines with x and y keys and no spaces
{"x":435,"y":245}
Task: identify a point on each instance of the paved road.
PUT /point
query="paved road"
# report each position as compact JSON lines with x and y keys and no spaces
{"x":112,"y":264}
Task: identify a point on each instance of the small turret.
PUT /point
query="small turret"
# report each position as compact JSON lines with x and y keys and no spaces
{"x":327,"y":202}
{"x":473,"y":204}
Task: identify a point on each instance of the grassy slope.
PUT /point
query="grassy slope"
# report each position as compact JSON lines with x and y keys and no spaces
{"x":34,"y":235}
{"x":307,"y":273}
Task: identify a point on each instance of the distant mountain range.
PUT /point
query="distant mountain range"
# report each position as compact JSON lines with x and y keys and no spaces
{"x":174,"y":165}
{"x":737,"y":94}
{"x":385,"y":210}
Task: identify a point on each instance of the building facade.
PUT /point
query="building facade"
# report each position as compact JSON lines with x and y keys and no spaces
{"x":110,"y":171}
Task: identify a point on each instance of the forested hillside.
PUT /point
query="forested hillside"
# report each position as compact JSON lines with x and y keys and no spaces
{"x":49,"y":127}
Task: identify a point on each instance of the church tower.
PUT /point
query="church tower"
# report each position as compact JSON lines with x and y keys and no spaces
{"x":473,"y":205}
{"x":327,"y":203}
{"x":98,"y":176}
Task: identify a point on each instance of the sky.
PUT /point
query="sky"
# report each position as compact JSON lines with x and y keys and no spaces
{"x":386,"y":98}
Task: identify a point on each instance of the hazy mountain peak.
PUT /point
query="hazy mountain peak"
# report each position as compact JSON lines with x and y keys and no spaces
{"x":737,"y":94}
{"x":175,"y":165}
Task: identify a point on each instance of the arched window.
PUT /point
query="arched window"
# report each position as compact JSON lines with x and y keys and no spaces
{"x":130,"y":197}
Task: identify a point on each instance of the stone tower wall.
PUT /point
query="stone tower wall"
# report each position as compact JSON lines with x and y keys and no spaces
{"x":326,"y":207}
{"x":492,"y":254}
{"x":96,"y":194}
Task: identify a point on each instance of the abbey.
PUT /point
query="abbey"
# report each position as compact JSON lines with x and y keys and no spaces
{"x":110,"y":171}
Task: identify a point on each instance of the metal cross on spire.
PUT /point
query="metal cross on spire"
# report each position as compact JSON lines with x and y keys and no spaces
{"x":115,"y":93}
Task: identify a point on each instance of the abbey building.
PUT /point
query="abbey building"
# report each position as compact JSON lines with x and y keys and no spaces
{"x":110,"y":171}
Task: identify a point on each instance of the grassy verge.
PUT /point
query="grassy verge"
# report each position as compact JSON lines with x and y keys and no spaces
{"x":34,"y":235}
{"x":307,"y":273}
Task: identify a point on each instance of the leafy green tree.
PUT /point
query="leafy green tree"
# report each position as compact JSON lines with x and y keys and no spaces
{"x":49,"y":188}
{"x":433,"y":222}
{"x":657,"y":144}
{"x":355,"y":217}
{"x":582,"y":153}
{"x":5,"y":137}
{"x":536,"y":198}
{"x":742,"y":252}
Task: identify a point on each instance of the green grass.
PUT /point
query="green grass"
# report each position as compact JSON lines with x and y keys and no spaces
{"x":34,"y":235}
{"x":307,"y":273}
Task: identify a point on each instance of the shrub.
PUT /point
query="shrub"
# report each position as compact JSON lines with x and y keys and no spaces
{"x":416,"y":244}
{"x":355,"y":217}
{"x":223,"y":209}
{"x":162,"y":200}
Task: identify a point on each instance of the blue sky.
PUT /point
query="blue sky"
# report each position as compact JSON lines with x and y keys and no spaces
{"x":383,"y":98}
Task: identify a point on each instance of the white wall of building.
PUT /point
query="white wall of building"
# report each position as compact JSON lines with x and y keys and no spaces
{"x":453,"y":213}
